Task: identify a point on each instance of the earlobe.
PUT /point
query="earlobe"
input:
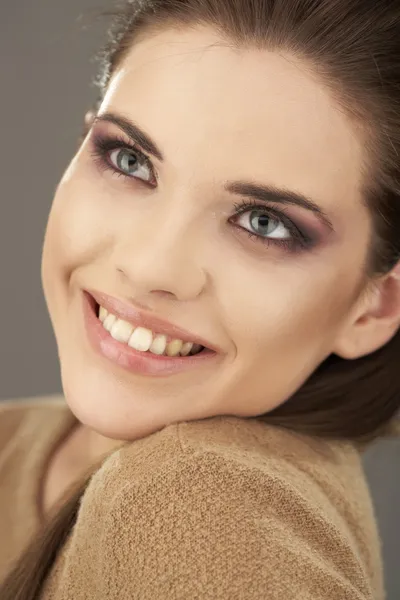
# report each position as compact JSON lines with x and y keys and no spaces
{"x":374,"y":321}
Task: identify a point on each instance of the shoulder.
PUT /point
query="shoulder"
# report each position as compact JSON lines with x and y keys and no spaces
{"x":250,"y":464}
{"x":210,"y":506}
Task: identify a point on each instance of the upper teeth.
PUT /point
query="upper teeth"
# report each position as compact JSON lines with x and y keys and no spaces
{"x":143,"y":339}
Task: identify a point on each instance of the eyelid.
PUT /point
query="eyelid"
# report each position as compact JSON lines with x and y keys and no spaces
{"x":130,"y":145}
{"x":104,"y":144}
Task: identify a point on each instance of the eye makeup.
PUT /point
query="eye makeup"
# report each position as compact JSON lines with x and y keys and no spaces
{"x":300,"y":238}
{"x":103,"y":146}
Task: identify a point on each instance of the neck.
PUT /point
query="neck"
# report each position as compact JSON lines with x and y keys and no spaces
{"x":92,"y":445}
{"x":100,"y":445}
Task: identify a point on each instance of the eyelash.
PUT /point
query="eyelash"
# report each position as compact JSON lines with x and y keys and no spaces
{"x":102,"y":146}
{"x":299,"y":240}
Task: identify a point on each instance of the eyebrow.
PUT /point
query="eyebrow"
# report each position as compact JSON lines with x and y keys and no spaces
{"x":269,"y":193}
{"x":133,"y":131}
{"x":263,"y":193}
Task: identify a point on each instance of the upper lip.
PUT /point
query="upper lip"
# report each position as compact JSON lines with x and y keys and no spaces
{"x":139,"y":318}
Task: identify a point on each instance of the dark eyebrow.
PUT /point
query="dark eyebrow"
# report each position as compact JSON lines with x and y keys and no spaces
{"x":264,"y":193}
{"x":267,"y":193}
{"x":133,"y":131}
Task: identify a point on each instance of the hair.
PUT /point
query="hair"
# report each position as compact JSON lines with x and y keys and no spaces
{"x":353,"y":47}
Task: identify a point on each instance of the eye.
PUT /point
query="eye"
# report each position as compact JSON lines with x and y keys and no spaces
{"x":263,"y":224}
{"x":131,"y":164}
{"x":123,"y":158}
{"x":270,"y":226}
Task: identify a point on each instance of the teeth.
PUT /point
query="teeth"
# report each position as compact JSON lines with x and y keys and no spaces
{"x":102,"y":314}
{"x":143,"y":339}
{"x":109,"y":322}
{"x":121,"y":331}
{"x":186,"y":348}
{"x":159,"y":344}
{"x":174,"y":347}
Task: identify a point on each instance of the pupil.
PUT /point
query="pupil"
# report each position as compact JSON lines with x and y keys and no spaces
{"x":126,"y":161}
{"x":260,"y":222}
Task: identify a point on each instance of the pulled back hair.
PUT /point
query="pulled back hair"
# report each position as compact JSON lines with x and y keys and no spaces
{"x":353,"y":47}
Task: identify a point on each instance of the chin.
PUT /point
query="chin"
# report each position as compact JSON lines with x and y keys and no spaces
{"x":107,"y":407}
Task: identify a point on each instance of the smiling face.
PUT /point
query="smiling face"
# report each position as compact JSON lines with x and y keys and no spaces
{"x":270,"y":285}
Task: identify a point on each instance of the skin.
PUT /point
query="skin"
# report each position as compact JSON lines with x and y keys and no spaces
{"x":276,"y":315}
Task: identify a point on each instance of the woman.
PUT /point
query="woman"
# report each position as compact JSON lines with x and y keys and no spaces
{"x":221,"y":268}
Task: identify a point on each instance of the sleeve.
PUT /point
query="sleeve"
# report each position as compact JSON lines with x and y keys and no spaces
{"x":210,"y":529}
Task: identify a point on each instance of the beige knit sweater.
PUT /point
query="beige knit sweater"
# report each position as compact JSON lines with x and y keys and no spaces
{"x":216,"y":509}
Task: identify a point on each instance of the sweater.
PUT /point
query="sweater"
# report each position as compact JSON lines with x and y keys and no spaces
{"x":223,"y":508}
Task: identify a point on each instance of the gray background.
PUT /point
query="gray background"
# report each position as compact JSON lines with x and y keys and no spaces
{"x":45,"y":66}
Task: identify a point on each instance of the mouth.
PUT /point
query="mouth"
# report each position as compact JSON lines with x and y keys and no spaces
{"x":146,"y":340}
{"x":138,"y":348}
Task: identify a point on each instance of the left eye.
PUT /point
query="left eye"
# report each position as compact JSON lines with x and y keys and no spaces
{"x":131,"y":164}
{"x":263,"y":224}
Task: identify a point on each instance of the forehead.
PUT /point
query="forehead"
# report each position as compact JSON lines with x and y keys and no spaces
{"x":239,"y":113}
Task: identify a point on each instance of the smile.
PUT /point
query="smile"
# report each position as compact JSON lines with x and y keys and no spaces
{"x":139,"y":349}
{"x":145,"y":340}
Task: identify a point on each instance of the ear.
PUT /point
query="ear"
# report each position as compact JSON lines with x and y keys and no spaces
{"x":374,"y":320}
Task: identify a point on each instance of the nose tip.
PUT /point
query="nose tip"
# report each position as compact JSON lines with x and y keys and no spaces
{"x":163,"y":255}
{"x":148,"y":282}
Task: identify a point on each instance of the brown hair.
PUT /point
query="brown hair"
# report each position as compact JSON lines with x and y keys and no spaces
{"x":354,"y":48}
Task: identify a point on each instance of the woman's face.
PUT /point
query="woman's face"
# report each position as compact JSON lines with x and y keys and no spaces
{"x":244,"y":226}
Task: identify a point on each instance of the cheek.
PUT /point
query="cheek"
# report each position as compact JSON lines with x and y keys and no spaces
{"x":77,"y":226}
{"x":285,"y":309}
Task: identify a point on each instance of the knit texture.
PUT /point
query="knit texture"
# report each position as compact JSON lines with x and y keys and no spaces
{"x":222,"y":509}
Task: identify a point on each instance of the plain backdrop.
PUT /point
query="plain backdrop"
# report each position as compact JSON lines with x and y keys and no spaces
{"x":46,"y":66}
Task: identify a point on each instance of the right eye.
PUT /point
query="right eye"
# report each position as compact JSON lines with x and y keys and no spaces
{"x":131,"y":163}
{"x":125,"y":159}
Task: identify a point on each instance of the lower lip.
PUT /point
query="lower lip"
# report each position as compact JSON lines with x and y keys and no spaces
{"x":132,"y":360}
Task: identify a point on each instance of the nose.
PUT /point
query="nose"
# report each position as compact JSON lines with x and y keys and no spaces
{"x":163,"y":255}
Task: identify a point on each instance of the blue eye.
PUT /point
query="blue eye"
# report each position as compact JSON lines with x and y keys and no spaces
{"x":269,"y":226}
{"x":131,"y":164}
{"x":125,"y":160}
{"x":265,"y":225}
